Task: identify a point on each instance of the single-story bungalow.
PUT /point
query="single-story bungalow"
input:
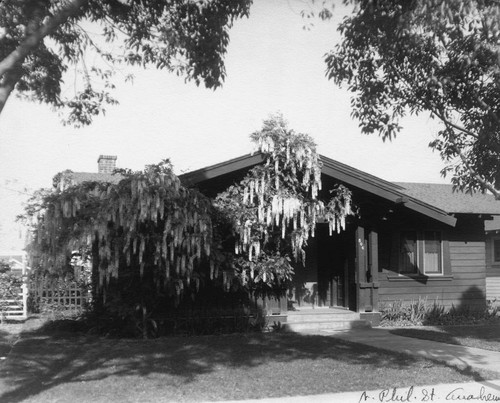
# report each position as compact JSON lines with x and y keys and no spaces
{"x":409,"y":241}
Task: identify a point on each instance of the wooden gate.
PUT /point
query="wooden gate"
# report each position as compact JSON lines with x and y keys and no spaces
{"x":15,"y":308}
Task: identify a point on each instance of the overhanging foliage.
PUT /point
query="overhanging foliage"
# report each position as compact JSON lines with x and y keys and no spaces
{"x":275,"y":208}
{"x":435,"y":56}
{"x":147,"y":221}
{"x":41,"y":39}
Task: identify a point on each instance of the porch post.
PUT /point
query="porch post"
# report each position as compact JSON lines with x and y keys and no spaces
{"x":366,"y":276}
{"x":360,"y":269}
{"x":373,"y":267}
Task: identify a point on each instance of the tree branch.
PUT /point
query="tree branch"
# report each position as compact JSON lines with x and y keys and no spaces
{"x":15,"y":59}
{"x":486,"y":184}
{"x":7,"y":85}
{"x":453,"y":125}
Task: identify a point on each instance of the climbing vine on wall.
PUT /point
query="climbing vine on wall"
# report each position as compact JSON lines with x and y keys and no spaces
{"x":146,"y":225}
{"x":275,"y":208}
{"x":146,"y":222}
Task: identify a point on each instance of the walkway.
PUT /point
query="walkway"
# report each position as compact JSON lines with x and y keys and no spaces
{"x":459,"y":356}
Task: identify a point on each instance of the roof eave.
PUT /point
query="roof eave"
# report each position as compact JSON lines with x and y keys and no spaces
{"x":339,"y":171}
{"x":210,"y":172}
{"x":384,"y":189}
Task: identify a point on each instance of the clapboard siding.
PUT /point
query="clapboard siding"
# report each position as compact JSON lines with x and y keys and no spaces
{"x":455,"y":292}
{"x":413,"y":284}
{"x":478,"y":303}
{"x":455,"y":248}
{"x":464,"y":279}
{"x":468,"y":256}
{"x":468,"y":262}
{"x":493,"y":288}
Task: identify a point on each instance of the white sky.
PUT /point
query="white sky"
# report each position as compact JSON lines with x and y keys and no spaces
{"x":272,"y":65}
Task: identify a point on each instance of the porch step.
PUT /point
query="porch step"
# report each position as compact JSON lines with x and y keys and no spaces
{"x":322,"y":319}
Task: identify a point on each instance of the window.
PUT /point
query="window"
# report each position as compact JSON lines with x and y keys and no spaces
{"x":433,"y":256}
{"x":496,"y":250}
{"x":422,"y":252}
{"x":408,"y":258}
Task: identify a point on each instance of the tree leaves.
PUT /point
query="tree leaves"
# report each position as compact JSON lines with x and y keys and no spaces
{"x":274,"y":210}
{"x":438,"y":56}
{"x":40,"y":40}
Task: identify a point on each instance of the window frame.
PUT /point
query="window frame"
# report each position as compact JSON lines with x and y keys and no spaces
{"x":420,"y":269}
{"x":441,"y":253}
{"x":493,"y":260}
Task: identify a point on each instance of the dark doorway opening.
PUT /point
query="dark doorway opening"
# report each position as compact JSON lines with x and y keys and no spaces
{"x":327,"y":278}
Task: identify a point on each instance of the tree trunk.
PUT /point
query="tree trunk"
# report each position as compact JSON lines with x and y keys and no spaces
{"x":10,"y":66}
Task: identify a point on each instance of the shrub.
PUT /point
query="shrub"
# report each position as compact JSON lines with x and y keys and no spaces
{"x":403,"y":313}
{"x":421,"y":312}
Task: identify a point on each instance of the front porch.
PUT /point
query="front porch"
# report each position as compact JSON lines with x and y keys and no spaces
{"x":337,"y":287}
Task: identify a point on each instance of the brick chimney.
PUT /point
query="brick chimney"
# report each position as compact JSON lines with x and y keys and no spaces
{"x":106,"y":163}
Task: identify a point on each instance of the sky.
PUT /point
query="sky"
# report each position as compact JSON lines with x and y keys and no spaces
{"x":272,"y":65}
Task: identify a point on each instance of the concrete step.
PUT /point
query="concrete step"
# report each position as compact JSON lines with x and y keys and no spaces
{"x":326,"y":325}
{"x":321,"y":316}
{"x":322,"y":319}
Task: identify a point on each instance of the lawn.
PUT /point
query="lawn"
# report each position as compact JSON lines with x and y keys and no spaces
{"x":486,"y":337}
{"x":56,"y":366}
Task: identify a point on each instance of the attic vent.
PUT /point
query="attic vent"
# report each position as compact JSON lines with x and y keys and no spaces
{"x":106,"y":163}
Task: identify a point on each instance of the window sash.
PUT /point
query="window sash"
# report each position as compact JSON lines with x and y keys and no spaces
{"x":422,"y":252}
{"x":433,"y":252}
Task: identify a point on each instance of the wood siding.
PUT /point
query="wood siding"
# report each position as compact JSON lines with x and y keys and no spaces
{"x":493,"y":288}
{"x":463,"y":282}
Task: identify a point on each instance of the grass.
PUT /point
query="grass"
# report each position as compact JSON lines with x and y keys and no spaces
{"x":69,"y":366}
{"x":486,"y":337}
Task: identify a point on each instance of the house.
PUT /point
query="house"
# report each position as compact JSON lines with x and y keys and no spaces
{"x":16,"y":260}
{"x":409,"y":240}
{"x":106,"y":164}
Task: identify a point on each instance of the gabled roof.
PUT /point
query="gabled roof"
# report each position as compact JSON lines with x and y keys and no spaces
{"x":341,"y":172}
{"x":244,"y":162}
{"x":445,"y":198}
{"x":80,"y":177}
{"x":437,"y":201}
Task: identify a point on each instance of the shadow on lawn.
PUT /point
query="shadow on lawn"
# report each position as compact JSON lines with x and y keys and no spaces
{"x":455,"y":334}
{"x":42,"y":361}
{"x":5,"y":343}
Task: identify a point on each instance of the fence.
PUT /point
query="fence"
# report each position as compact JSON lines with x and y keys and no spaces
{"x":58,"y":294}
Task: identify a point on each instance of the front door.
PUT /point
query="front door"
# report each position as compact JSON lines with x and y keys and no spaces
{"x":336,"y":261}
{"x":327,"y":278}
